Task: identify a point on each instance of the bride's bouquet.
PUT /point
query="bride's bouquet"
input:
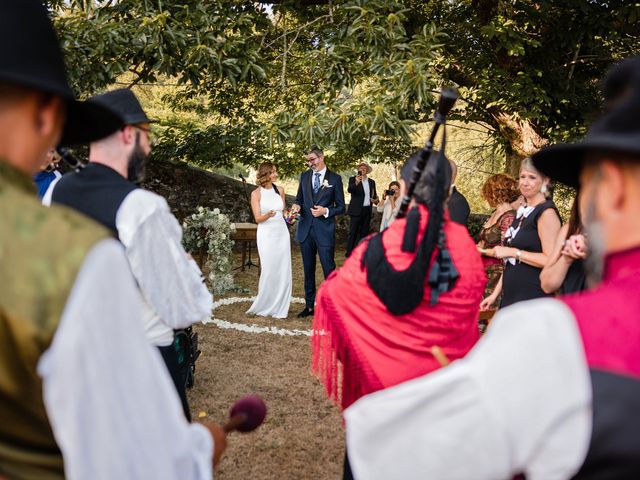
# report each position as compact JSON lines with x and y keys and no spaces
{"x":291,"y":217}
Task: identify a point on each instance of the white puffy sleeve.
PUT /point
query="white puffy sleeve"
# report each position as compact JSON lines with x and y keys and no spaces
{"x":112,"y":406}
{"x":169,"y":279}
{"x":520,"y":402}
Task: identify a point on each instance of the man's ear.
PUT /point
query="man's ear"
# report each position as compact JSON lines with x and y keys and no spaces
{"x":613,"y":187}
{"x":128,"y":135}
{"x":50,"y":118}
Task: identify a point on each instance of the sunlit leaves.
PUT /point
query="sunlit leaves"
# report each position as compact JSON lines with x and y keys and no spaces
{"x":354,"y":76}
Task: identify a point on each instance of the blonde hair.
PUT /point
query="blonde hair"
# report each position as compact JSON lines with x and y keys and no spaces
{"x":527,"y":164}
{"x":264,"y":172}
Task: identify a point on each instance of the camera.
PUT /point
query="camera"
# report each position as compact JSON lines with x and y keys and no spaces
{"x":390,"y":193}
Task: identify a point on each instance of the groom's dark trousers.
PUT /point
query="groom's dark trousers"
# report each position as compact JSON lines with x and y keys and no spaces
{"x":309,"y":248}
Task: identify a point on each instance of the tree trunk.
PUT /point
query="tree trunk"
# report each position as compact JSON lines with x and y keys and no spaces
{"x":522,"y":140}
{"x":512,"y":163}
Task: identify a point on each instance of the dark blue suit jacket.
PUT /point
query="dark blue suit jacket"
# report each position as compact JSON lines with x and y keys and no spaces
{"x":330,"y":196}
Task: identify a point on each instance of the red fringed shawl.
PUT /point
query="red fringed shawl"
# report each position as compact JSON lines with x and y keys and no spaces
{"x":358,"y":343}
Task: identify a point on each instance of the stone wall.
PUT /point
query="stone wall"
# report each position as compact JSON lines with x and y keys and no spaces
{"x":186,"y":187}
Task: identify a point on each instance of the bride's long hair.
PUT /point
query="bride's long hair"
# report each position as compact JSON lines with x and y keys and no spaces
{"x":264,"y":172}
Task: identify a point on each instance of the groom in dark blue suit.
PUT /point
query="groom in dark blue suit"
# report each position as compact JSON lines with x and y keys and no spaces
{"x":320,"y":198}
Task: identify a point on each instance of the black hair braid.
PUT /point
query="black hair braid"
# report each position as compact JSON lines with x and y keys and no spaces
{"x":402,"y":291}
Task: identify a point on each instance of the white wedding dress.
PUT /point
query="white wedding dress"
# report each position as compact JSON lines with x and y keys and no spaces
{"x":274,"y":248}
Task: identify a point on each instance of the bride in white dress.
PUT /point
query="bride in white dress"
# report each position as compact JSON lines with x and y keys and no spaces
{"x":274,"y":246}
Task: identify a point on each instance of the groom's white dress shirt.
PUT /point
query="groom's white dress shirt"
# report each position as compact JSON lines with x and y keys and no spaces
{"x":322,"y":174}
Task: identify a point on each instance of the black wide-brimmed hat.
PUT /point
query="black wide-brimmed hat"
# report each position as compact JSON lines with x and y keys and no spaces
{"x":617,"y":131}
{"x":30,"y":56}
{"x":124,"y":103}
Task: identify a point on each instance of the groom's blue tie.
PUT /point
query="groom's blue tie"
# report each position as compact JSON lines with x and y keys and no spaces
{"x":316,"y":183}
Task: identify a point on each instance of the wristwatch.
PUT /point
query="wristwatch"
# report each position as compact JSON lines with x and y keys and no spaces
{"x":519,"y":255}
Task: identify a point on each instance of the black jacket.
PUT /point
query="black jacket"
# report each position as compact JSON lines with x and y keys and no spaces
{"x":458,"y":208}
{"x":357,"y":195}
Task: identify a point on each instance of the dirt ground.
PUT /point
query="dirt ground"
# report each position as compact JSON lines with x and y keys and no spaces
{"x":302,"y":437}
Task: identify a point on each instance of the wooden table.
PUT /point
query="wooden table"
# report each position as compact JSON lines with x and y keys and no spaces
{"x":245,"y":233}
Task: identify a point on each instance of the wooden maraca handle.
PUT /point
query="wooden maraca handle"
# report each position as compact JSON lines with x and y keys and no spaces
{"x":234,"y":422}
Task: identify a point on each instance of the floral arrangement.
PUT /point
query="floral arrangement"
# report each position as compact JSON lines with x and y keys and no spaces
{"x":208,"y":232}
{"x":291,"y":216}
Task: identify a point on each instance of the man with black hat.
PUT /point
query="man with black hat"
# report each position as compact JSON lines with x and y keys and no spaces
{"x":551,"y":391}
{"x":363,"y":197}
{"x":105,"y":190}
{"x":81,"y":391}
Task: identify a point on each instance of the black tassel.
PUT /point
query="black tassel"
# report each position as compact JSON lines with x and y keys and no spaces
{"x":443,"y":274}
{"x":411,"y":230}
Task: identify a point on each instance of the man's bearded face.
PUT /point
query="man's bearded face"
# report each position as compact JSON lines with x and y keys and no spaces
{"x":594,"y":263}
{"x":137,"y":163}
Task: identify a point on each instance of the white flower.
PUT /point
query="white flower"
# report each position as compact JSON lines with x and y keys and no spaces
{"x":325,"y":184}
{"x":216,"y":211}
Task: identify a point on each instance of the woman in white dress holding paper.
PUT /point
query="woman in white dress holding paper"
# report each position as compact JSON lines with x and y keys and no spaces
{"x":274,"y":246}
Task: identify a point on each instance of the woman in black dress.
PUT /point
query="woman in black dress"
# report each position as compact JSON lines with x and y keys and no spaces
{"x":530,"y":241}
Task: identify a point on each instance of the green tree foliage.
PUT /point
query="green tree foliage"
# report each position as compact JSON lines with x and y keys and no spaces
{"x":192,"y":41}
{"x":354,"y":76}
{"x":532,"y":69}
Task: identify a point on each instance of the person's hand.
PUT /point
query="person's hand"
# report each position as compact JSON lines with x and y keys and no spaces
{"x":575,"y":247}
{"x":219,"y":440}
{"x":440,"y":356}
{"x":375,"y":200}
{"x":272,"y":213}
{"x":317,"y":211}
{"x":503,"y":252}
{"x":487,"y":302}
{"x":358,"y":179}
{"x":295,"y":208}
{"x":487,"y":252}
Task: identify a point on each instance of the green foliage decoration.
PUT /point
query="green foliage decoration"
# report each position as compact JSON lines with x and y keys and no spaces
{"x":208,"y":233}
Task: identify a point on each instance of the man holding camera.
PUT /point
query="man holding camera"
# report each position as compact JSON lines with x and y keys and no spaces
{"x":363,"y":197}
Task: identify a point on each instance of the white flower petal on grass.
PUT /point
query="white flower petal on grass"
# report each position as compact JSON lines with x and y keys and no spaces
{"x":283,"y":332}
{"x":257,"y":329}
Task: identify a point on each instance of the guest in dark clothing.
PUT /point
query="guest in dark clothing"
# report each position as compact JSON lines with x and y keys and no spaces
{"x":530,"y":238}
{"x":363,"y":197}
{"x":565,"y":271}
{"x":458,"y":206}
